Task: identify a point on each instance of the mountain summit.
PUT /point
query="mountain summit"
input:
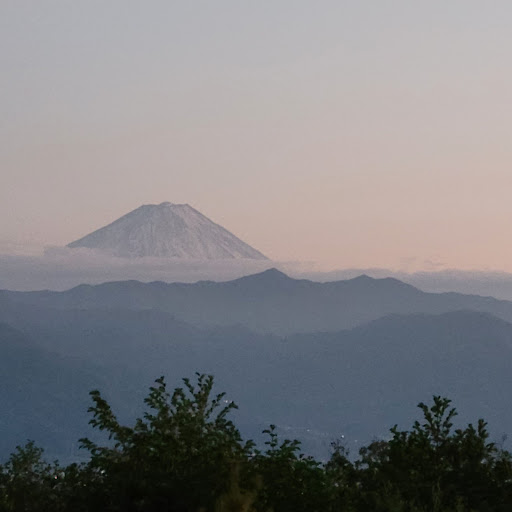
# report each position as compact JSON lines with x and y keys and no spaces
{"x":167,"y":230}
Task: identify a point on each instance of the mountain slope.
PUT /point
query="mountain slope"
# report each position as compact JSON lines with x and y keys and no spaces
{"x":44,"y":395}
{"x":167,"y":231}
{"x":316,"y":386}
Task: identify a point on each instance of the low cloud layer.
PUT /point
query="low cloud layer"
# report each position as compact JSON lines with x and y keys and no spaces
{"x":61,"y":268}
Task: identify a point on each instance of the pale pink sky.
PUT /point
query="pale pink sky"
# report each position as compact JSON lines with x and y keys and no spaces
{"x":353,"y":134}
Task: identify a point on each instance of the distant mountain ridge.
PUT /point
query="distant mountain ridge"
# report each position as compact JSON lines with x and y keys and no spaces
{"x":268,"y":302}
{"x":167,"y":230}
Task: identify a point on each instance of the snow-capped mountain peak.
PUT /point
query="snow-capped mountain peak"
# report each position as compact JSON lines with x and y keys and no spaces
{"x":167,"y":230}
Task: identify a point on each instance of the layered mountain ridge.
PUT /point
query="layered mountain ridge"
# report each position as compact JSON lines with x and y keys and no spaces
{"x":268,"y":302}
{"x":320,"y":360}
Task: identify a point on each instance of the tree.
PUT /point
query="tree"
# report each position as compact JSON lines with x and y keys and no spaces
{"x":27,"y":482}
{"x":342,"y":477}
{"x":185,"y":455}
{"x":290,"y":481}
{"x":179,"y":456}
{"x":434,"y":468}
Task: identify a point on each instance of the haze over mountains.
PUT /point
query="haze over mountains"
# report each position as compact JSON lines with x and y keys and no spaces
{"x":268,"y":302}
{"x":319,"y":359}
{"x":167,"y":230}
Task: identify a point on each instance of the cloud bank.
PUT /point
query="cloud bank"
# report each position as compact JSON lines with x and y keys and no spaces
{"x":61,"y":268}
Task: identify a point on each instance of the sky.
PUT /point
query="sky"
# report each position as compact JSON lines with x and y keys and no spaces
{"x":347,"y":133}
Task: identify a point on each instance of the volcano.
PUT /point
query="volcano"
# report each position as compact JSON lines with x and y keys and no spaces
{"x":167,"y":230}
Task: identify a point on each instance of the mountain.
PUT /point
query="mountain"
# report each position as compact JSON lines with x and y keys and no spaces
{"x":167,"y":230}
{"x":346,"y":358}
{"x":316,"y":386}
{"x":44,"y":395}
{"x":269,"y":302}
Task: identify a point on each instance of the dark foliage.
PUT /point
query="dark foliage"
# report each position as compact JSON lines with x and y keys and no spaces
{"x":185,"y":455}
